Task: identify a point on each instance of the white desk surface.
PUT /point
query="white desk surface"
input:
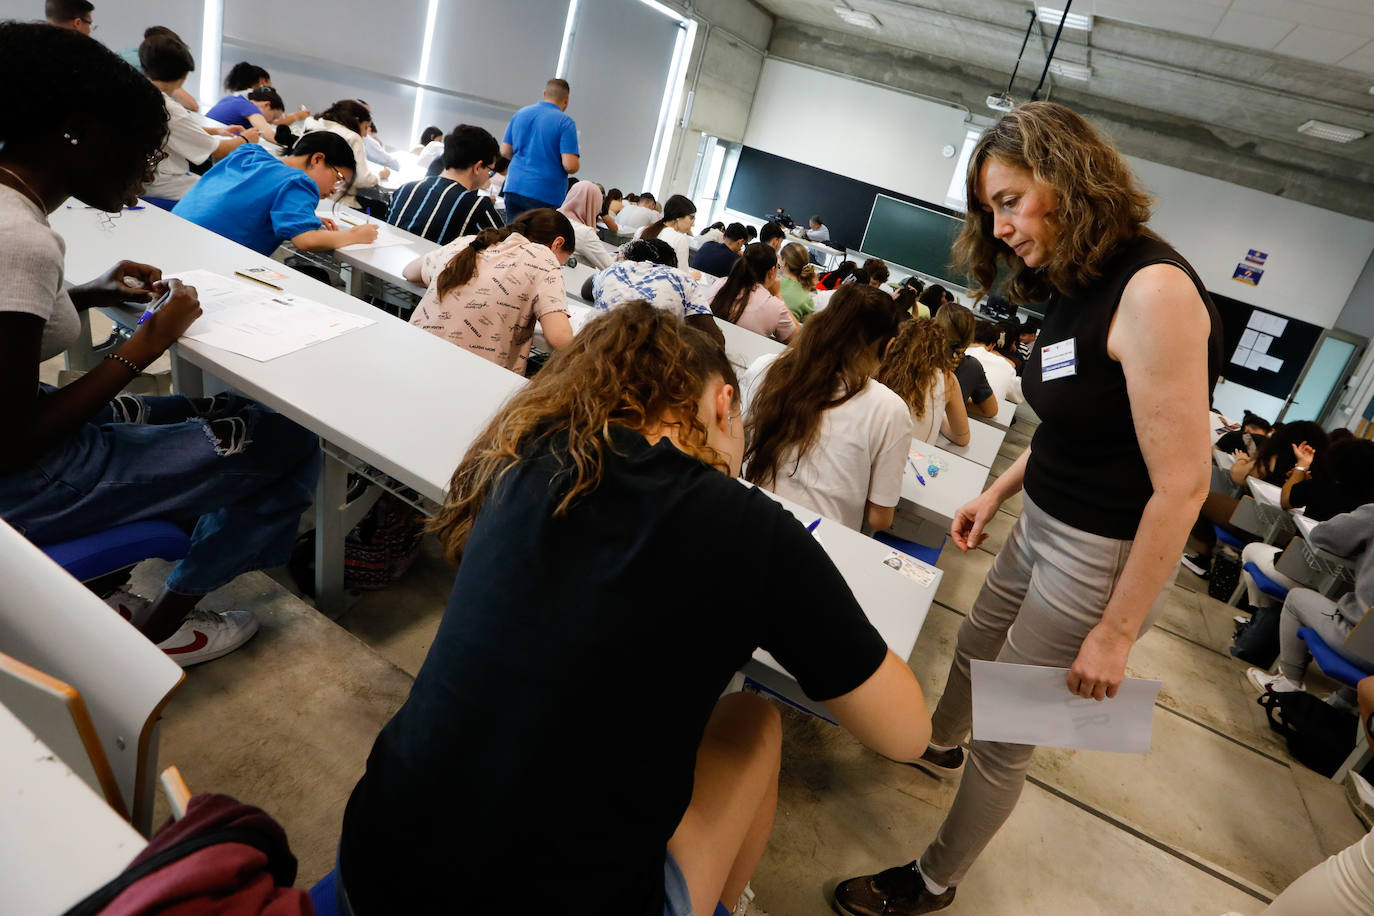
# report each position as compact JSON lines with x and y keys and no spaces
{"x":1223,"y":460}
{"x":743,"y":346}
{"x":1264,"y":492}
{"x":403,"y":400}
{"x":941,"y":495}
{"x":895,"y":605}
{"x":1305,"y":524}
{"x":1006,"y":412}
{"x":984,"y":444}
{"x":60,"y":841}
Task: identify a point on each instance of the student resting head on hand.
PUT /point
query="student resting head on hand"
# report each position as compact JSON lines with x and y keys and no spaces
{"x":748,"y":295}
{"x":568,"y":512}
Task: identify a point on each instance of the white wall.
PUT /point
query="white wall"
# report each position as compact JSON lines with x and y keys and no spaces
{"x":1315,"y":255}
{"x":866,"y":132}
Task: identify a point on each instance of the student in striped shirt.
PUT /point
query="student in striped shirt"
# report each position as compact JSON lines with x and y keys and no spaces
{"x":449,"y":205}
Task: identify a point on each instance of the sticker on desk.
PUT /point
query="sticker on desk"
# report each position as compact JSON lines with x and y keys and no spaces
{"x":922,"y":463}
{"x":261,"y":273}
{"x":1058,"y":361}
{"x":915,"y":570}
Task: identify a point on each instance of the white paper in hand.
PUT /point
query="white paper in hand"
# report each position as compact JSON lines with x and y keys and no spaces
{"x":1027,"y":704}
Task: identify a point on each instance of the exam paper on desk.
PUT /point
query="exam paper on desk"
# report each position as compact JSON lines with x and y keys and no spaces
{"x":1028,"y":704}
{"x":261,"y":325}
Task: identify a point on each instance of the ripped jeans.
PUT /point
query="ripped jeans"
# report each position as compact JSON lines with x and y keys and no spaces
{"x":235,"y":473}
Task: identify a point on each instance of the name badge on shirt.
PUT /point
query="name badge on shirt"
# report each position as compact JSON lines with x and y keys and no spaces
{"x":1057,"y":361}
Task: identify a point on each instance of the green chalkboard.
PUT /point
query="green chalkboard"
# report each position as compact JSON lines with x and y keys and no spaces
{"x":913,"y":237}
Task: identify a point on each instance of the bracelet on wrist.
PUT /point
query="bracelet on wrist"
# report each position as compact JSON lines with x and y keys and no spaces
{"x":129,"y":363}
{"x":1302,"y":469}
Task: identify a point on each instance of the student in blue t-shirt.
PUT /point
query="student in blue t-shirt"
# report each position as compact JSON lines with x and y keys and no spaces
{"x":541,"y":144}
{"x":260,"y":201}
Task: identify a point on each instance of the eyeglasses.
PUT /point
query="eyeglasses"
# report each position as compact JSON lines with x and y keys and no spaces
{"x":341,"y":183}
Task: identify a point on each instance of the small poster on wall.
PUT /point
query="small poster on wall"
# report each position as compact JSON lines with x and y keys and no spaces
{"x":1247,"y":273}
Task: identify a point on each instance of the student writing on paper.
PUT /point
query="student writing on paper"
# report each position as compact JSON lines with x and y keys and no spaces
{"x":748,"y":295}
{"x":796,"y":280}
{"x":376,"y":150}
{"x":822,"y":430}
{"x":674,"y":227}
{"x":716,"y":258}
{"x":581,"y":206}
{"x":647,"y":270}
{"x":612,"y":202}
{"x":261,"y":108}
{"x":450,"y":205}
{"x":351,"y":119}
{"x":260,"y":201}
{"x":918,"y":367}
{"x":637,"y":213}
{"x":568,"y":512}
{"x":959,"y":325}
{"x":487,"y":290}
{"x":166,"y":61}
{"x":1121,"y":379}
{"x":84,"y":458}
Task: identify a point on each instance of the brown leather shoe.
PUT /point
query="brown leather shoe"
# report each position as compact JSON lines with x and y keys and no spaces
{"x":940,"y":764}
{"x":897,"y":891}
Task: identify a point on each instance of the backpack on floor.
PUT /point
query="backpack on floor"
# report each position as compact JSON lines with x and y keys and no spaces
{"x":1257,"y":642}
{"x":376,"y":553}
{"x":1225,"y":576}
{"x":1319,"y":736}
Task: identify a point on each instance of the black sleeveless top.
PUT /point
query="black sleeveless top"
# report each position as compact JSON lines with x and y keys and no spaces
{"x":1085,"y":468}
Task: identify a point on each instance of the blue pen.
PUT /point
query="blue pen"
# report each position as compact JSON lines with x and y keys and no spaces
{"x":812,"y":526}
{"x":916,"y":471}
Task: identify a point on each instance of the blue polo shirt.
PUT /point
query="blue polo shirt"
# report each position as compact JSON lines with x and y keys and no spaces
{"x":253,"y":198}
{"x":233,"y":109}
{"x":540,"y":134}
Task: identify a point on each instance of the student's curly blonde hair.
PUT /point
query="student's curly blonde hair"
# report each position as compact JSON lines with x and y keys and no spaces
{"x":916,"y":359}
{"x":1100,"y":206}
{"x":636,"y":367}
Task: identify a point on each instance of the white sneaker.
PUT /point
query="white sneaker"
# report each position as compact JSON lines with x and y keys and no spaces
{"x":133,"y":608}
{"x":1266,"y":682}
{"x":206,"y":635}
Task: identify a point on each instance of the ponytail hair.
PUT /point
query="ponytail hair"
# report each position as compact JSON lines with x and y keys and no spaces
{"x":749,"y":270}
{"x":542,"y":227}
{"x":676,"y":208}
{"x":797,"y":259}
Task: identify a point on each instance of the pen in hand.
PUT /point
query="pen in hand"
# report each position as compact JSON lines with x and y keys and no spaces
{"x":157,"y":303}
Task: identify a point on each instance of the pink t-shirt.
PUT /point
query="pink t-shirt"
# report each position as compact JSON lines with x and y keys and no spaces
{"x":764,"y":314}
{"x":493,"y":314}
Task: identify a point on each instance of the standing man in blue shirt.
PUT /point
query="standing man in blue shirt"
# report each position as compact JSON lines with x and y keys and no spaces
{"x":541,"y":144}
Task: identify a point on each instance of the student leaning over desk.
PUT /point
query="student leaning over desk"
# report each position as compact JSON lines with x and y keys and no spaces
{"x":519,"y":776}
{"x":1121,"y":378}
{"x":84,"y":458}
{"x":253,"y":198}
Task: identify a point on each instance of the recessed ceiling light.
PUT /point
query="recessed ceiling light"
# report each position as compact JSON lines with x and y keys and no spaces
{"x":1051,"y":16}
{"x":1325,"y":131}
{"x":1070,"y":70}
{"x":857,"y":17}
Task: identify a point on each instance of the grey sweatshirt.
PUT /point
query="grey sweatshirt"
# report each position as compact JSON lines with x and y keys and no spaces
{"x":1350,"y":535}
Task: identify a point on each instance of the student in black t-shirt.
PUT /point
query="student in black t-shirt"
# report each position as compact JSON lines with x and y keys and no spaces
{"x":960,"y":325}
{"x":563,"y":749}
{"x":449,"y":205}
{"x":716,"y":258}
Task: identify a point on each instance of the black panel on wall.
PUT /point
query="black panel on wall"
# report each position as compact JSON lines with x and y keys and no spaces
{"x":1293,"y":346}
{"x":763,"y":182}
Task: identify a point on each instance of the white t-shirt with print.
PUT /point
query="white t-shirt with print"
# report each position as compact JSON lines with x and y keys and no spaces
{"x":859,"y":456}
{"x":187,"y":142}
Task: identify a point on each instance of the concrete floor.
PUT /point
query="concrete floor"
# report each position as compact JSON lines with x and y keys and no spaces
{"x":1215,"y":818}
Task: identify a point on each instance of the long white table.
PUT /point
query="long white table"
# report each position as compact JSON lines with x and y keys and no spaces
{"x":926,"y":510}
{"x":1006,"y":412}
{"x":60,"y":841}
{"x":985,"y":443}
{"x":389,"y":397}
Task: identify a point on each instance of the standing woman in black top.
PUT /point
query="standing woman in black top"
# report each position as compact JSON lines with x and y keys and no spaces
{"x":1121,"y":377}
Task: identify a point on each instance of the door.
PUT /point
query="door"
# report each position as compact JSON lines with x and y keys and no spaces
{"x":1324,"y":376}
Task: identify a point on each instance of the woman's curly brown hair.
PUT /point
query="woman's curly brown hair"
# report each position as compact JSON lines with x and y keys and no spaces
{"x":633,"y":367}
{"x":1100,"y":205}
{"x":920,"y":355}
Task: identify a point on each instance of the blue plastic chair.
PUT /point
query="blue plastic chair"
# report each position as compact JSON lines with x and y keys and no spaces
{"x":921,"y":552}
{"x":1227,"y":538}
{"x":1333,"y":664}
{"x":1266,"y":585}
{"x":113,"y":549}
{"x":322,"y":895}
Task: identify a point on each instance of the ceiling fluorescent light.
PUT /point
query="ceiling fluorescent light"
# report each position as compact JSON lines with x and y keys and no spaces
{"x":857,"y":17}
{"x":1051,"y":17}
{"x":1335,"y":132}
{"x":1070,"y":71}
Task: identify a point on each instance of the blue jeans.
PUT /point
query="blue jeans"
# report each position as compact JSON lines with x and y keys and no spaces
{"x":238,"y":472}
{"x":518,"y":203}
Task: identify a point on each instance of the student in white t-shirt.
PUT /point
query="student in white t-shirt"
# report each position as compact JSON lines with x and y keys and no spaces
{"x":674,"y":227}
{"x":637,"y":213}
{"x":1001,"y":372}
{"x":166,"y":61}
{"x":919,"y":368}
{"x":821,"y":430}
